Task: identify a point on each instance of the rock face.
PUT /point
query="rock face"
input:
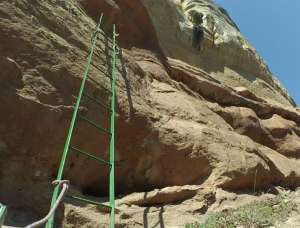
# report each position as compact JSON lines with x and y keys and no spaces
{"x":225,"y":53}
{"x":182,"y":117}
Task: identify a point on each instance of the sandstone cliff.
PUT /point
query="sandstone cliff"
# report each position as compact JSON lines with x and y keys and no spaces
{"x":191,"y":120}
{"x":225,"y":53}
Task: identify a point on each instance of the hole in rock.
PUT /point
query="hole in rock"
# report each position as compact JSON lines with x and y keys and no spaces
{"x":72,"y":165}
{"x":95,"y":191}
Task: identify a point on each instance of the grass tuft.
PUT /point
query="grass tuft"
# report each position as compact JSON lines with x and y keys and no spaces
{"x":256,"y":214}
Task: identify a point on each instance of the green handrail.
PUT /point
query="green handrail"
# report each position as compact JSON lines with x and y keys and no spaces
{"x":111,"y":132}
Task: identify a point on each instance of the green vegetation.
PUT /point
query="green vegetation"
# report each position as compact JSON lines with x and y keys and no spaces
{"x":256,"y":214}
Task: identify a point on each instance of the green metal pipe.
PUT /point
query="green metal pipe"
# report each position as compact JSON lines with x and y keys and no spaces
{"x":89,"y":155}
{"x":3,"y":213}
{"x":93,"y":80}
{"x":106,"y":52}
{"x":64,"y":156}
{"x":93,"y":124}
{"x":105,"y":44}
{"x":112,"y":139}
{"x":98,"y":68}
{"x":88,"y":201}
{"x":103,"y":60}
{"x":97,"y":27}
{"x":108,"y":29}
{"x":96,"y":101}
{"x":106,"y":36}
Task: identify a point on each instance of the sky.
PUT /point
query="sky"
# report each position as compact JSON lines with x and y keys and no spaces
{"x":272,"y":28}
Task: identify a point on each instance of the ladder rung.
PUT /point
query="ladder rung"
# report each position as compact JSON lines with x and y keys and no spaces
{"x":98,"y":46}
{"x":93,"y":36}
{"x":110,"y":30}
{"x":99,"y":84}
{"x":105,"y":35}
{"x":106,"y":52}
{"x":98,"y":68}
{"x":95,"y":125}
{"x":107,"y":30}
{"x":106,"y":21}
{"x":98,"y":102}
{"x":88,"y":201}
{"x":103,"y":60}
{"x":106,"y":44}
{"x":89,"y":155}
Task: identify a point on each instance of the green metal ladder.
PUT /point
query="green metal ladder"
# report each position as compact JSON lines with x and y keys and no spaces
{"x":102,"y":41}
{"x":3,"y":212}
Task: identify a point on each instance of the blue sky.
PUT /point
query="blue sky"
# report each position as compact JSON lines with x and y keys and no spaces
{"x":272,"y":28}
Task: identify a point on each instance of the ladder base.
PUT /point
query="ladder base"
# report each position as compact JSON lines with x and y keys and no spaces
{"x":3,"y":213}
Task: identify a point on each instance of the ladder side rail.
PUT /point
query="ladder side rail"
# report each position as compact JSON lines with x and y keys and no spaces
{"x":112,"y":139}
{"x":50,"y":222}
{"x":3,"y":213}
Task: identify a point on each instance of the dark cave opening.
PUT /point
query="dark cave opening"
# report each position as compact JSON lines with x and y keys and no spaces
{"x":95,"y":191}
{"x":198,"y":35}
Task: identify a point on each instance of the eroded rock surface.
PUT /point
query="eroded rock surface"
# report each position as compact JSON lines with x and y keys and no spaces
{"x":224,"y":52}
{"x":183,"y":129}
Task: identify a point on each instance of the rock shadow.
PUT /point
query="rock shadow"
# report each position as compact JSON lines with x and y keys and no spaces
{"x":126,"y":81}
{"x":160,"y":219}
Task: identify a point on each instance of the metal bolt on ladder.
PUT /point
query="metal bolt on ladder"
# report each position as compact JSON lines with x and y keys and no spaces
{"x":101,"y":37}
